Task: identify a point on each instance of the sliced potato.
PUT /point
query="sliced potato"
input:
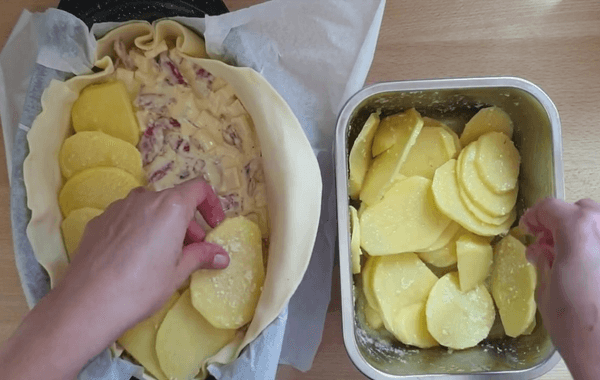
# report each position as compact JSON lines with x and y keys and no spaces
{"x":73,"y":227}
{"x":520,"y":235}
{"x":445,"y":238}
{"x":513,"y":286}
{"x":185,"y":340}
{"x":445,"y":256}
{"x":227,"y":298}
{"x":475,"y":258}
{"x":392,"y":128}
{"x":429,"y":122}
{"x":530,"y":328}
{"x":372,"y":317}
{"x":360,"y":155}
{"x":367,"y":284}
{"x":497,"y":162}
{"x":410,"y":327}
{"x":405,"y":220}
{"x":385,"y":168}
{"x":447,"y":198}
{"x":85,"y":150}
{"x":479,"y":213}
{"x":459,"y":319}
{"x":97,"y":188}
{"x":361,"y":209}
{"x":399,"y":281}
{"x":491,"y":119}
{"x":106,"y":107}
{"x":140,"y":340}
{"x":496,"y":205}
{"x":355,"y":240}
{"x":431,"y":150}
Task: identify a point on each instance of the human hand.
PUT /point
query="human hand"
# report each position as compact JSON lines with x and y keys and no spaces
{"x":567,"y":256}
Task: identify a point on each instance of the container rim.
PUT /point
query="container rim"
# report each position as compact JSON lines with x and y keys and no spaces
{"x":341,"y":180}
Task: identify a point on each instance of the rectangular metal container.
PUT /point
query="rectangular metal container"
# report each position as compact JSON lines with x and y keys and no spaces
{"x":537,"y":135}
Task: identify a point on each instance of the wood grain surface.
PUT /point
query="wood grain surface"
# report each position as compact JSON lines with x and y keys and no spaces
{"x":554,"y":43}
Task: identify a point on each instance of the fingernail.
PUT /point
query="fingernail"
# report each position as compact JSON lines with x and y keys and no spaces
{"x":220,"y":260}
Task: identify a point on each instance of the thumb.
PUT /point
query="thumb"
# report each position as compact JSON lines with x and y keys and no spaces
{"x":201,"y":255}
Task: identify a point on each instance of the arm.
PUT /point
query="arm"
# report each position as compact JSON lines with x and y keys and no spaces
{"x":130,"y":260}
{"x":567,"y":255}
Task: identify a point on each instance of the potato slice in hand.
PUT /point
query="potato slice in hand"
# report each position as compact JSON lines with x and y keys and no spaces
{"x":429,"y":122}
{"x":73,"y":227}
{"x":399,"y":281}
{"x":185,"y":340}
{"x":475,"y":258}
{"x":140,"y":340}
{"x":355,"y":251}
{"x":405,"y":220}
{"x":497,"y":162}
{"x":392,"y":128}
{"x":372,"y":317}
{"x":360,"y":155}
{"x":447,"y":198}
{"x":491,"y":119}
{"x":496,"y":205}
{"x":410,"y":327}
{"x":227,"y":298}
{"x":458,"y":319}
{"x":431,"y":150}
{"x":85,"y":150}
{"x":386,"y":167}
{"x":513,"y":286}
{"x":106,"y":107}
{"x":97,"y":188}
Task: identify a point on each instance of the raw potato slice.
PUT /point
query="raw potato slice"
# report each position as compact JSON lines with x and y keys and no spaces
{"x":227,"y":298}
{"x":531,"y":327}
{"x":140,"y":340}
{"x":386,"y":167}
{"x":429,"y":122}
{"x":399,"y":281}
{"x":361,"y":209}
{"x":360,"y":155}
{"x":445,"y":191}
{"x":518,"y":234}
{"x":405,"y":220}
{"x":450,"y":232}
{"x":107,"y":108}
{"x":391,"y":128}
{"x":445,"y":256}
{"x":73,"y":227}
{"x":496,"y":205}
{"x":410,"y":327}
{"x":429,"y":153}
{"x":513,"y":286}
{"x":85,"y":150}
{"x":475,"y":258}
{"x":367,"y":283}
{"x":97,"y":188}
{"x":459,"y":319}
{"x":355,"y":240}
{"x":373,"y":318}
{"x":491,"y":119}
{"x":497,"y":162}
{"x":480,"y":214}
{"x":185,"y":340}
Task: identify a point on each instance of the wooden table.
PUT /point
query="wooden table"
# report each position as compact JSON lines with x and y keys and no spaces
{"x":555,"y":44}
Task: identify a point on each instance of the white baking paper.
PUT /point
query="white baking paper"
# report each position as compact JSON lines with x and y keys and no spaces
{"x":316,"y":53}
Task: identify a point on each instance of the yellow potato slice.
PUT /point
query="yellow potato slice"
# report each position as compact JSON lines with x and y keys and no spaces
{"x":496,"y":205}
{"x":429,"y":153}
{"x":520,"y":235}
{"x":355,"y":240}
{"x":73,"y":227}
{"x":361,"y":209}
{"x":456,"y":147}
{"x":360,"y":155}
{"x":459,"y":319}
{"x":444,"y":256}
{"x":85,"y":150}
{"x":410,"y":327}
{"x":367,"y":284}
{"x":497,"y":162}
{"x":140,"y":340}
{"x":405,"y":220}
{"x":185,"y":339}
{"x":227,"y":298}
{"x":531,"y":327}
{"x":447,"y":198}
{"x":480,"y":214}
{"x":386,"y":167}
{"x":107,"y":108}
{"x":491,"y":119}
{"x":392,"y":128}
{"x":96,"y":187}
{"x":450,"y":232}
{"x":399,"y":281}
{"x":475,"y":258}
{"x":513,"y":286}
{"x":372,"y":317}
